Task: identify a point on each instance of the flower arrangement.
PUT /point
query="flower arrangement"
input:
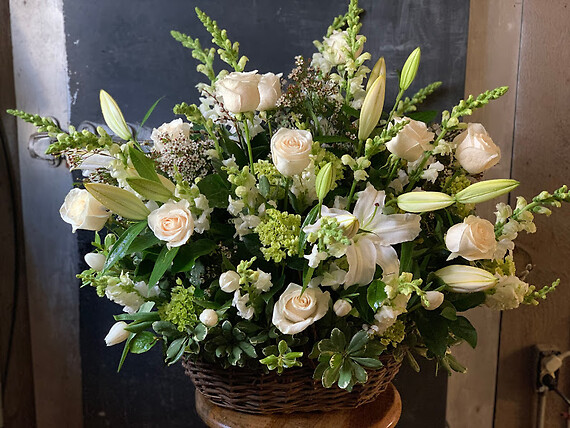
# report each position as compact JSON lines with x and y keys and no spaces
{"x":283,"y":222}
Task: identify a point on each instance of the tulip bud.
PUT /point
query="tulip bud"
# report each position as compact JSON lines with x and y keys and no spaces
{"x":209,"y":317}
{"x":324,"y":181}
{"x":341,"y":308}
{"x":466,"y":279}
{"x":378,"y":70}
{"x":113,"y":116}
{"x":117,"y":334}
{"x":229,"y":281}
{"x":372,"y":108}
{"x":410,"y":69}
{"x":95,"y":261}
{"x":485,"y":191}
{"x":418,"y":202}
{"x":349,"y":223}
{"x":434,"y":300}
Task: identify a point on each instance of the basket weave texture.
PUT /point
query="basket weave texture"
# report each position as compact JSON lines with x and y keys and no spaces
{"x":252,"y":391}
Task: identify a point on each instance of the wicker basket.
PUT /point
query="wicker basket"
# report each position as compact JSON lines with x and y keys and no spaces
{"x":252,"y":391}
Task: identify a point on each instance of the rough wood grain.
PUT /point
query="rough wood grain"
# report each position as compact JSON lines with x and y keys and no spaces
{"x":540,"y":160}
{"x":382,"y":413}
{"x":492,"y":60}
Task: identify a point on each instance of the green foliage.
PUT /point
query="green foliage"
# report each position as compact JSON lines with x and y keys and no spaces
{"x":228,"y":51}
{"x":466,"y":107}
{"x":410,"y":104}
{"x":345,"y":363}
{"x":230,"y":344}
{"x":284,"y":359}
{"x":216,"y":189}
{"x":205,"y":56}
{"x":44,"y":124}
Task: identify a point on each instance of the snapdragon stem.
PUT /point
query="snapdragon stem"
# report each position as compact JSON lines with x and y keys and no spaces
{"x":353,"y":187}
{"x":248,"y":142}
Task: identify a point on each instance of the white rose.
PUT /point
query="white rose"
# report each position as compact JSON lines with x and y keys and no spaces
{"x":434,"y":298}
{"x":229,"y":281}
{"x":412,"y":141}
{"x":290,"y":150}
{"x":177,"y":129}
{"x":508,"y":294}
{"x":239,"y":91}
{"x":172,"y":223}
{"x":341,"y":308}
{"x":83,"y":211}
{"x":117,"y":334}
{"x":269,"y":91}
{"x":474,"y":239}
{"x":209,"y":317}
{"x":95,"y":261}
{"x":476,"y":151}
{"x":293,"y":313}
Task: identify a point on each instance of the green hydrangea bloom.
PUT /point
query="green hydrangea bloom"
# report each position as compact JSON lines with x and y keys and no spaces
{"x":279,"y":234}
{"x":394,"y":334}
{"x":180,"y":310}
{"x":274,"y":177}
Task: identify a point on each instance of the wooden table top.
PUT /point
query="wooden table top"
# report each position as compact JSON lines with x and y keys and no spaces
{"x":382,"y":413}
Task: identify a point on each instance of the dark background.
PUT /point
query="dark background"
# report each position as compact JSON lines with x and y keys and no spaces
{"x":126,"y":48}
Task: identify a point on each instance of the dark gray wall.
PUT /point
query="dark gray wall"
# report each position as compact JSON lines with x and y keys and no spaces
{"x":125,"y":47}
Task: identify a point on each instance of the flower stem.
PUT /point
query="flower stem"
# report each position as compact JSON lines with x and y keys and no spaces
{"x":287,"y":187}
{"x":248,"y":142}
{"x":398,"y":98}
{"x":353,"y":187}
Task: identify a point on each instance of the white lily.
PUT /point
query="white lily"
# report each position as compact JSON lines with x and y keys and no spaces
{"x":372,"y":235}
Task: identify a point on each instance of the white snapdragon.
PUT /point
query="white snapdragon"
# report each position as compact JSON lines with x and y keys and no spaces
{"x":241,"y":303}
{"x":509,"y":293}
{"x":262,"y":281}
{"x":126,"y":293}
{"x":432,"y":172}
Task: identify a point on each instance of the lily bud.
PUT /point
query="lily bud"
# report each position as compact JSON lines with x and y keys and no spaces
{"x":485,"y":191}
{"x":113,"y":116}
{"x":324,"y":181}
{"x":378,"y":70}
{"x":209,"y":317}
{"x":466,"y":279}
{"x":434,"y":300}
{"x":419,"y":202}
{"x":229,"y":281}
{"x":95,"y":261}
{"x":349,"y":223}
{"x":341,"y":308}
{"x":119,"y":201}
{"x":117,"y":334}
{"x":372,"y":108}
{"x":410,"y":69}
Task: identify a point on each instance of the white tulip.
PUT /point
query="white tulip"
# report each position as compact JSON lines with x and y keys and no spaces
{"x":229,"y":281}
{"x":239,"y":91}
{"x":172,"y":223}
{"x":117,"y":334}
{"x":83,"y":211}
{"x":293,"y":313}
{"x":269,"y":91}
{"x":95,"y":261}
{"x":290,"y":150}
{"x":209,"y":317}
{"x":341,"y":308}
{"x":412,"y":141}
{"x":476,"y":151}
{"x":474,"y":239}
{"x":466,"y":279}
{"x":434,"y":298}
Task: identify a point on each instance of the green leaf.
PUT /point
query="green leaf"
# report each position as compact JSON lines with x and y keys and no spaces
{"x":149,"y":112}
{"x":359,"y":373}
{"x":143,"y":164}
{"x":464,"y":302}
{"x":176,"y":350}
{"x":357,"y":342}
{"x":188,"y":254}
{"x":310,"y":219}
{"x":463,"y":329}
{"x":165,"y":328}
{"x":122,"y":245}
{"x":376,"y":294}
{"x":142,"y":242}
{"x":406,"y":256}
{"x":264,"y":186}
{"x":138,"y":327}
{"x":449,"y":312}
{"x":152,"y":190}
{"x":216,"y":189}
{"x":344,"y":375}
{"x":371,"y":363}
{"x":338,"y":339}
{"x":162,"y":264}
{"x":125,"y":351}
{"x":118,"y":201}
{"x":142,"y":342}
{"x":336,"y":360}
{"x":248,"y":349}
{"x":200,"y":332}
{"x":434,"y":331}
{"x":319,"y":371}
{"x":139,"y":316}
{"x":426,"y":116}
{"x":330,"y":376}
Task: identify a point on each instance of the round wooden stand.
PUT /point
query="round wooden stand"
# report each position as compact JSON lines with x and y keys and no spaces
{"x":382,"y":413}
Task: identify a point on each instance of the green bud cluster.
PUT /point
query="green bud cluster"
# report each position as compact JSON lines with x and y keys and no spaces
{"x":180,"y":310}
{"x":279,"y":234}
